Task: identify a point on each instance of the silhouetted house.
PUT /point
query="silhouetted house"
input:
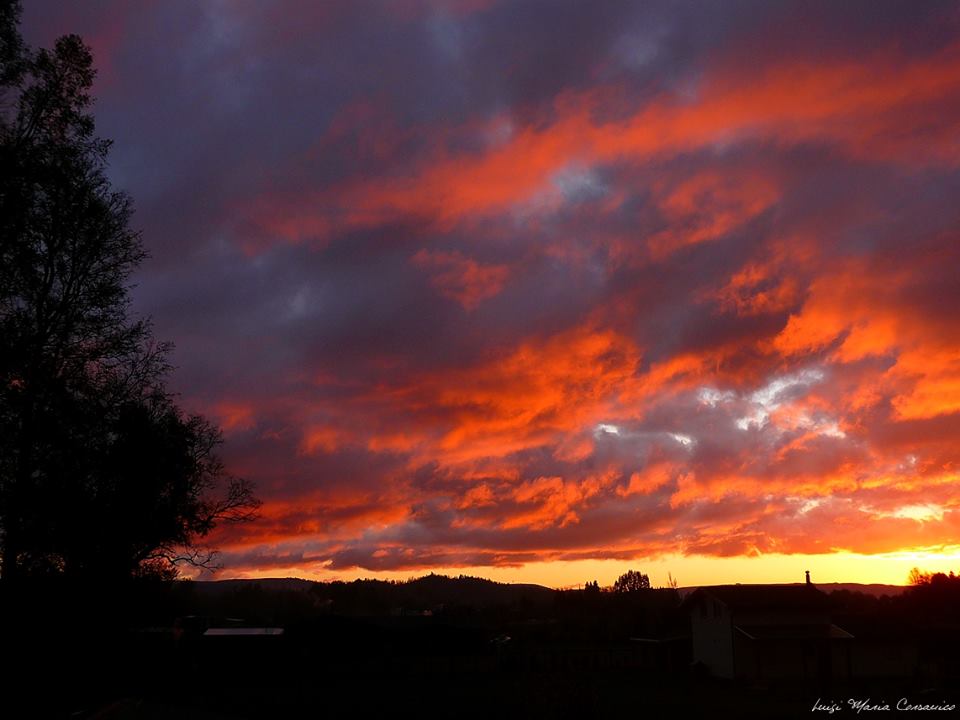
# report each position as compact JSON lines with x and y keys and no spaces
{"x":767,"y":632}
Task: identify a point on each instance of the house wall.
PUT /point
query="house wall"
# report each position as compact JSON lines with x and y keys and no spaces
{"x":791,"y":659}
{"x":775,"y":659}
{"x":712,"y":632}
{"x":841,"y":653}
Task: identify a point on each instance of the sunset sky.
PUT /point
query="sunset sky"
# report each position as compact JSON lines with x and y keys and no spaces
{"x":544,"y":291}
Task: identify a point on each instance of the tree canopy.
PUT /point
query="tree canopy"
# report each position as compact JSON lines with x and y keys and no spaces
{"x":631,"y":581}
{"x":100,"y":472}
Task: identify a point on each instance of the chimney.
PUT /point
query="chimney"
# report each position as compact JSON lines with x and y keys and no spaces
{"x":808,"y":577}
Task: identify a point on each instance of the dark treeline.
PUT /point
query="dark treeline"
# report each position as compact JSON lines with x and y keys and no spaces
{"x":932,"y":599}
{"x":465,"y":597}
{"x":460,"y":599}
{"x":102,"y":476}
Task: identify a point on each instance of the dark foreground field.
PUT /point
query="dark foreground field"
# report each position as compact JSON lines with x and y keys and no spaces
{"x":514,"y":653}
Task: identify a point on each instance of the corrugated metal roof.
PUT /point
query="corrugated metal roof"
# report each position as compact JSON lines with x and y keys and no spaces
{"x":236,"y":632}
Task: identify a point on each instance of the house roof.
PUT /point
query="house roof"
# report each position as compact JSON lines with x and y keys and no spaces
{"x":762,"y":597}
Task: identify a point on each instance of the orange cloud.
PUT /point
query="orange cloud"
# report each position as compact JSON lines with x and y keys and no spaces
{"x":321,"y":438}
{"x":934,"y":373}
{"x":527,"y":396}
{"x":872,"y":108}
{"x":649,"y":480}
{"x":759,"y":288}
{"x":461,"y":278}
{"x":234,"y":416}
{"x":707,"y":206}
{"x":856,"y":313}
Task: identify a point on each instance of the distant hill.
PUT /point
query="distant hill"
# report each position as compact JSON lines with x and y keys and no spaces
{"x":466,"y":589}
{"x":423,"y":593}
{"x":214,"y":587}
{"x":874,"y":589}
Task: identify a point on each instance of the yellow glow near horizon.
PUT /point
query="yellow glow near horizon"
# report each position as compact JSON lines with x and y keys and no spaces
{"x":688,"y":570}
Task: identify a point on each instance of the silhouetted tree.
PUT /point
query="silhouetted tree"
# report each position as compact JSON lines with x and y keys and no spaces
{"x":631,"y":581}
{"x":100,"y":473}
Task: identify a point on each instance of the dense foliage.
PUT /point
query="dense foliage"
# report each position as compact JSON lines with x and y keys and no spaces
{"x":101,"y":474}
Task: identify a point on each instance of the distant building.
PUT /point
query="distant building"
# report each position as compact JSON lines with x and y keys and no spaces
{"x":767,"y":632}
{"x":243,"y":651}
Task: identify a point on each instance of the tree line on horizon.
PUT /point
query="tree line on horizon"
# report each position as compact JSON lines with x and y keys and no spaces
{"x":468,"y":599}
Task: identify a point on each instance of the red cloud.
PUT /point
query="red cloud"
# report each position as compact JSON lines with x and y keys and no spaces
{"x":872,"y":109}
{"x":461,"y":278}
